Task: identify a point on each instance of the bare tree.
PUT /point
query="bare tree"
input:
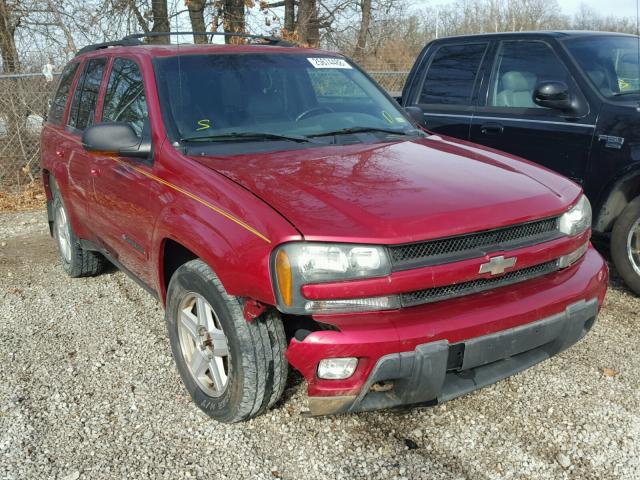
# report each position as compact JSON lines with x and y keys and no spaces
{"x":160,"y":14}
{"x":307,"y":24}
{"x":365,"y":19}
{"x":196,"y":15}
{"x":233,"y":18}
{"x":9,"y":21}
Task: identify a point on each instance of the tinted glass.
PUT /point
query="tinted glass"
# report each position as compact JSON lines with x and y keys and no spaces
{"x":284,"y":94}
{"x":611,"y":63}
{"x":333,"y":85}
{"x":452,"y":74}
{"x":520,"y":67}
{"x":62,"y":94}
{"x":124,"y":100}
{"x":84,"y":102}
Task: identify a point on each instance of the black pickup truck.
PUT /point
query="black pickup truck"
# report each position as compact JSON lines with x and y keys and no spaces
{"x":567,"y":100}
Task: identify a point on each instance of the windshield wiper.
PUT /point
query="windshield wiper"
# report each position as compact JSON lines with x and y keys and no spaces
{"x":359,"y":130}
{"x":626,"y":92}
{"x":245,"y":136}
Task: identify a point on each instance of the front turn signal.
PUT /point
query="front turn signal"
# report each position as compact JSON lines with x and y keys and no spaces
{"x":283,"y":272}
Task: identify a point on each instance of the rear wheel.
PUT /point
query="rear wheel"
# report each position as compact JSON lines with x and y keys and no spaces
{"x":233,"y":369}
{"x":76,"y":261}
{"x":625,"y":245}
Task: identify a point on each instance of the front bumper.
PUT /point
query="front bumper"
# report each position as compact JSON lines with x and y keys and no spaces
{"x":478,"y":323}
{"x":425,"y":374}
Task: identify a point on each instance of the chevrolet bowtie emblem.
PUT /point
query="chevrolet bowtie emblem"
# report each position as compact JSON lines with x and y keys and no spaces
{"x":497,"y":265}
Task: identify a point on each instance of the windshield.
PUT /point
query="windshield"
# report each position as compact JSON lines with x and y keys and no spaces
{"x":611,"y":63}
{"x":271,"y":98}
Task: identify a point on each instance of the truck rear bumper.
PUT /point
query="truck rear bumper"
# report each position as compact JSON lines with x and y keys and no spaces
{"x":427,"y":374}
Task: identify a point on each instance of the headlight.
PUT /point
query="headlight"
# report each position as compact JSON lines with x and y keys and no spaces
{"x":298,"y":264}
{"x":577,"y":219}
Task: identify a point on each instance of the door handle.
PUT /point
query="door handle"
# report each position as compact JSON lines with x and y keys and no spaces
{"x":59,"y":152}
{"x":491,"y":129}
{"x":95,"y":172}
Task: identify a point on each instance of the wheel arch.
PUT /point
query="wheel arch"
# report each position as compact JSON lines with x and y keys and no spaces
{"x":241,"y":262}
{"x":623,"y":191}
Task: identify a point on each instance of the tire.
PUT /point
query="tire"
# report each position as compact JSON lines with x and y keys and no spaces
{"x":244,"y":370}
{"x":625,"y":245}
{"x":76,"y":261}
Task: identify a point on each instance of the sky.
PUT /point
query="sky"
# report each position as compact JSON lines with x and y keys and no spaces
{"x":619,"y":8}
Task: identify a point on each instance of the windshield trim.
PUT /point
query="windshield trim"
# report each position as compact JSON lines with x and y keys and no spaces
{"x":170,"y":126}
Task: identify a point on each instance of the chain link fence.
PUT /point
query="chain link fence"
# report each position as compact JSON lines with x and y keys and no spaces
{"x":24,"y":100}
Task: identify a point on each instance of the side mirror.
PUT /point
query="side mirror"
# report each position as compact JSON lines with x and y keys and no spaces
{"x":119,"y":138}
{"x":554,"y":95}
{"x":415,"y":113}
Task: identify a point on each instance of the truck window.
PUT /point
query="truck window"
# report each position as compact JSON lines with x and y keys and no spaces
{"x":519,"y":67}
{"x":451,"y":75}
{"x":125,"y":100}
{"x":611,"y":63}
{"x":83,"y":106}
{"x":62,"y":94}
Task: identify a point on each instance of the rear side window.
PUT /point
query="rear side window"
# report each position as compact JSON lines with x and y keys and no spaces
{"x":62,"y":94}
{"x":83,"y":106}
{"x":451,"y":74}
{"x":125,"y":100}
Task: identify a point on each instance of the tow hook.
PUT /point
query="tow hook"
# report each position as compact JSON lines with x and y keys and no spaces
{"x":253,"y":309}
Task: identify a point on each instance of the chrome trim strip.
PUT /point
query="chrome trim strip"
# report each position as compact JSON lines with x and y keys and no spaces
{"x":507,"y":119}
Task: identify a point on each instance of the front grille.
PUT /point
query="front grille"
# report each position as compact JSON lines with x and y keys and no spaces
{"x":446,"y":292}
{"x":461,"y":247}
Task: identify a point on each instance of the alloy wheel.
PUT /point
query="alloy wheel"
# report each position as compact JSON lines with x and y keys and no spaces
{"x":633,"y":246}
{"x":62,"y":233}
{"x":204,"y":345}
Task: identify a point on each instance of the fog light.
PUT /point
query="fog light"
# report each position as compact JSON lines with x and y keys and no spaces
{"x":337,"y":368}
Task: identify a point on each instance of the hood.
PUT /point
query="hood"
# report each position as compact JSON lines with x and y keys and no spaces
{"x":398,"y":192}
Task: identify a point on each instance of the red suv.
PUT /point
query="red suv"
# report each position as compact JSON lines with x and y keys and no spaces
{"x":286,"y":210}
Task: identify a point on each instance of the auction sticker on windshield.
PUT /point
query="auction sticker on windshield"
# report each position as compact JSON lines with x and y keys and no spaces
{"x":329,"y":62}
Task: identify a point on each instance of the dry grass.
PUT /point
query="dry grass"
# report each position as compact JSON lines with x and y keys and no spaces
{"x":26,"y":198}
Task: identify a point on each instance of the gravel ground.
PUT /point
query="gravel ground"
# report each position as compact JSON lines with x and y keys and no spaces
{"x":89,"y":390}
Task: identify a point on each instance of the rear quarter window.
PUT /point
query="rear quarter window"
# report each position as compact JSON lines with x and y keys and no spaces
{"x":451,"y":74}
{"x":59,"y":102}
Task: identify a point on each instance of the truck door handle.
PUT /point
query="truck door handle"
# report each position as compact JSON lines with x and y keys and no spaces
{"x":95,"y":172}
{"x":59,"y":152}
{"x":491,"y":129}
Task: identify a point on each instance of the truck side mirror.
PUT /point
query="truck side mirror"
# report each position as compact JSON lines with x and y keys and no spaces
{"x":554,"y":95}
{"x":415,"y":113}
{"x":118,"y":137}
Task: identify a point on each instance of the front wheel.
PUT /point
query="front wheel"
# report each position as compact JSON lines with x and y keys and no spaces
{"x":233,"y":369}
{"x":625,"y":245}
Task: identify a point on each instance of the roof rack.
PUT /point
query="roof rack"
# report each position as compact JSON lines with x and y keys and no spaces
{"x":125,"y":42}
{"x":134,"y":40}
{"x":266,"y":39}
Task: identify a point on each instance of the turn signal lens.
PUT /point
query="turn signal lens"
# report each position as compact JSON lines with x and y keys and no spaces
{"x":283,"y":272}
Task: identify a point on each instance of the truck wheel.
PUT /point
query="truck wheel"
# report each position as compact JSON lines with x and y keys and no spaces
{"x":625,"y":245}
{"x":76,"y":261}
{"x":233,"y":369}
